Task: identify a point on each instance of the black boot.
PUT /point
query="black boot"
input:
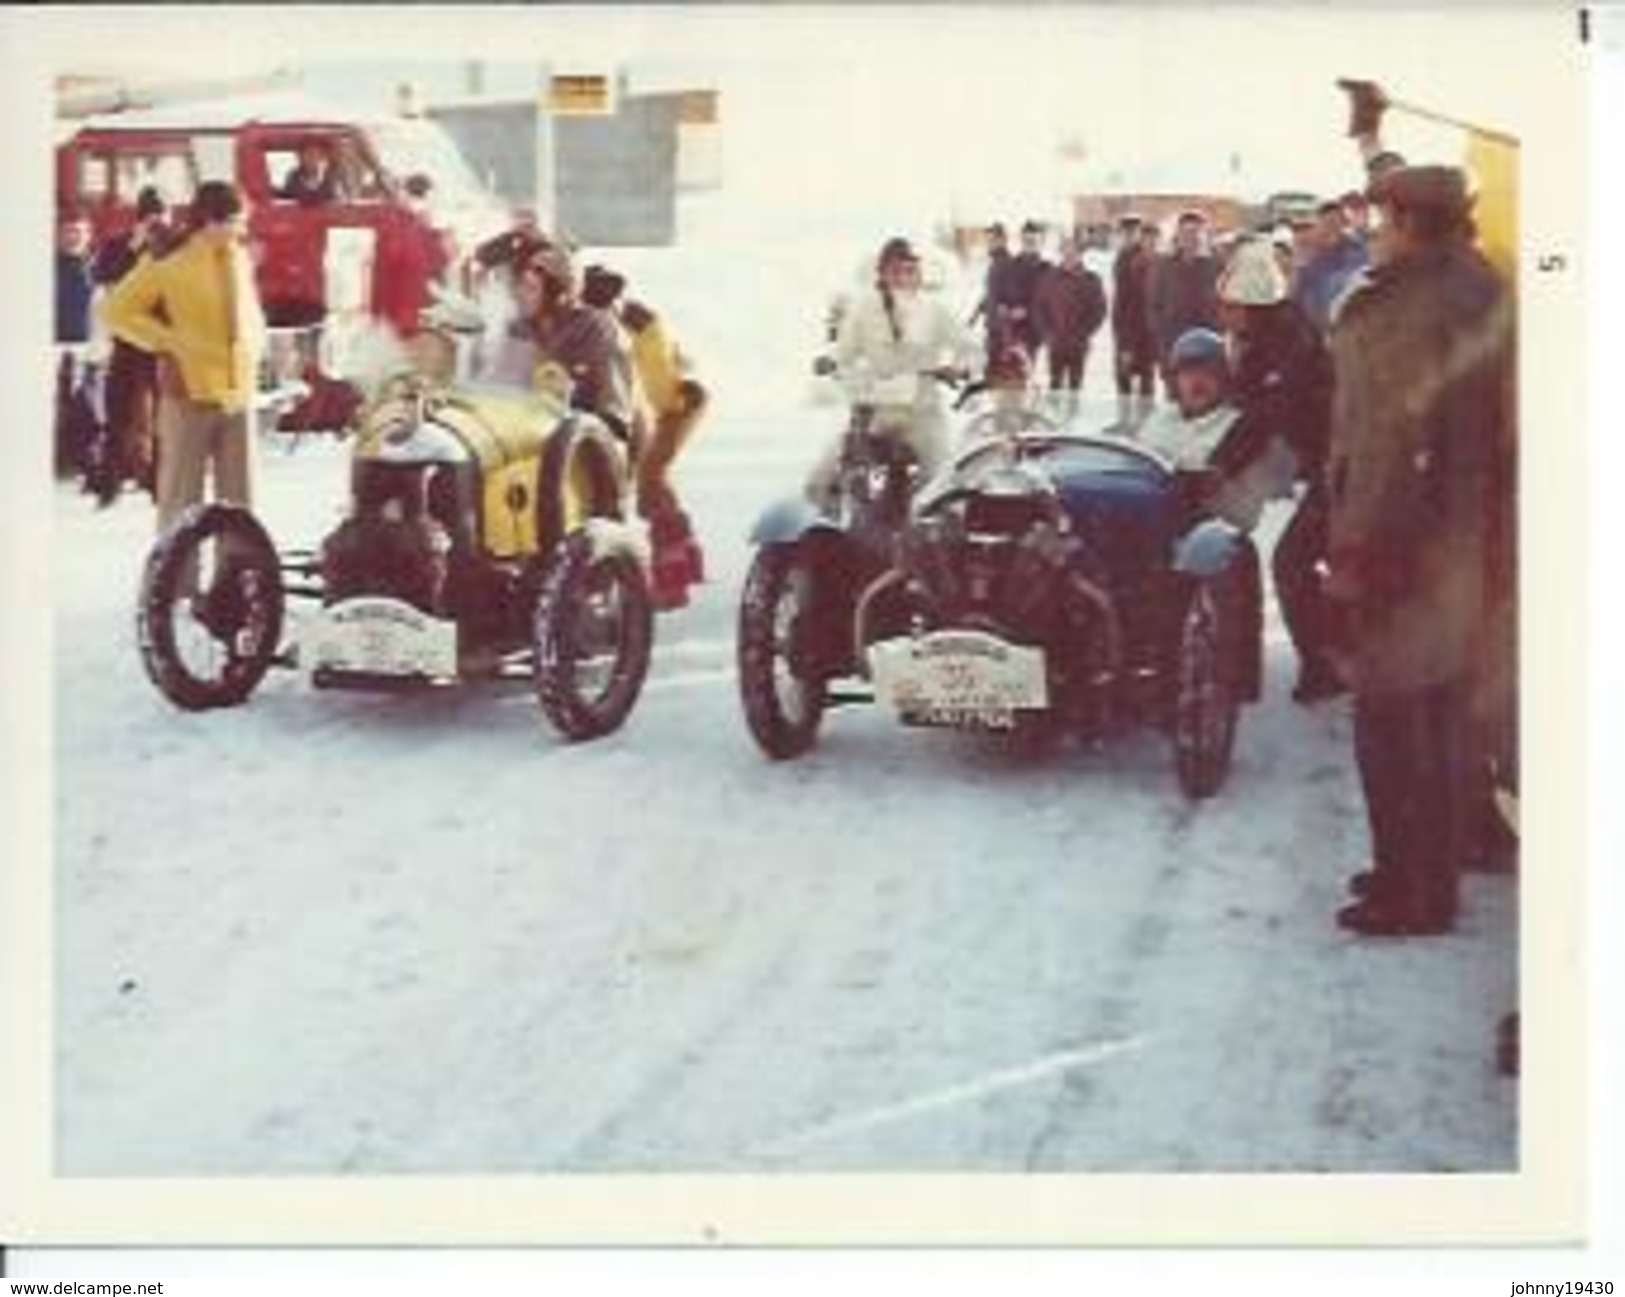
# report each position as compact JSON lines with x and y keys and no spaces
{"x":1377,"y":916}
{"x":1317,"y":681}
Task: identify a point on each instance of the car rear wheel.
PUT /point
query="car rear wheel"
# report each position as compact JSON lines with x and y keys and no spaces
{"x":783,"y":698}
{"x":1205,"y":695}
{"x":592,"y":635}
{"x":211,"y":606}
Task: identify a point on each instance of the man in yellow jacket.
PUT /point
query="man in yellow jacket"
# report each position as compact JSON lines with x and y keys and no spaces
{"x":197,"y":310}
{"x":672,"y":405}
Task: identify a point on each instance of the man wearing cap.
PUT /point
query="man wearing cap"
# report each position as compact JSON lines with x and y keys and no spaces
{"x":1134,"y":349}
{"x":1419,"y":491}
{"x":1183,"y":286}
{"x":893,"y":343}
{"x":198,"y":311}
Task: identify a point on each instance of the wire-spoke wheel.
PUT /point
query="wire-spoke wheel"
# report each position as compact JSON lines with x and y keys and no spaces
{"x":211,"y":606}
{"x":783,"y":694}
{"x":1205,"y":700}
{"x":592,"y":633}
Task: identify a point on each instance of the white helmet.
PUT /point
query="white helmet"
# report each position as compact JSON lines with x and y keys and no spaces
{"x":1253,"y":277}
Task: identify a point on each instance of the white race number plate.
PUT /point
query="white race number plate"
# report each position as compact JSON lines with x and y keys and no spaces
{"x":963,"y":678}
{"x":381,"y":636}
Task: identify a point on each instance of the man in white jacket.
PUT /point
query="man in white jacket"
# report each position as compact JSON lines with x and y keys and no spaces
{"x":1201,"y":419}
{"x":893,"y":345}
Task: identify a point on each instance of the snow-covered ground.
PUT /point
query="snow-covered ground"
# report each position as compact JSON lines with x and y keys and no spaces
{"x":334,"y":932}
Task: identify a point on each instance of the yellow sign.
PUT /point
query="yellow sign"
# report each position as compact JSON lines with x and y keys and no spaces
{"x":1493,"y":161}
{"x":578,"y":95}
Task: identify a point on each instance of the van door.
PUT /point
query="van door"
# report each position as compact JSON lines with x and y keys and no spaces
{"x":290,"y":235}
{"x":292,"y":226}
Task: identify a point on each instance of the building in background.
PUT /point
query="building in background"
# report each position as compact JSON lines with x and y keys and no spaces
{"x":594,"y":154}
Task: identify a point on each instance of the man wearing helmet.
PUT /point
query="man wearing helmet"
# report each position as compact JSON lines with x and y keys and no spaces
{"x":894,"y":344}
{"x":1194,"y":432}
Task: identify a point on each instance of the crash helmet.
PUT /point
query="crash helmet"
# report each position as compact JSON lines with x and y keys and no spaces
{"x":1253,"y":276}
{"x":1196,"y":348}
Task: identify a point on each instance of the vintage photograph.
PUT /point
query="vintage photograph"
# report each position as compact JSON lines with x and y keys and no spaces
{"x":778,"y":591}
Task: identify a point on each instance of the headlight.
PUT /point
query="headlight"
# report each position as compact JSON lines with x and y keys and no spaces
{"x":419,"y":443}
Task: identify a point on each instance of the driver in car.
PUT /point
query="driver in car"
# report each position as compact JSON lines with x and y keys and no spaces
{"x":893,"y":345}
{"x":1190,"y":434}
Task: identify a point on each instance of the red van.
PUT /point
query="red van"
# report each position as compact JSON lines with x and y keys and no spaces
{"x":255,"y":140}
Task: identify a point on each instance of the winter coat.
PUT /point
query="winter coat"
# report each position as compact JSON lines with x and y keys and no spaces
{"x":199,"y":307}
{"x":993,"y":288}
{"x":658,"y":362}
{"x":1238,"y":494}
{"x":588,"y":345}
{"x":73,"y":291}
{"x":1131,"y":301}
{"x":1421,"y":432}
{"x":883,"y":355}
{"x":1282,"y":378}
{"x":1068,"y":308}
{"x":1184,"y":295}
{"x":1018,"y":286}
{"x":308,"y":190}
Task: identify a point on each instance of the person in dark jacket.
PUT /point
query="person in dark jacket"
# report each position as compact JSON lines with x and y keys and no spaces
{"x":994,"y":289}
{"x":1335,"y":258}
{"x":1423,"y":423}
{"x":1183,"y":286}
{"x":73,"y":283}
{"x":1069,"y":306}
{"x":1134,"y":348}
{"x":1019,"y":288}
{"x":561,"y":343}
{"x":313,"y":181}
{"x":77,"y":426}
{"x":128,"y":446}
{"x":1283,"y":383}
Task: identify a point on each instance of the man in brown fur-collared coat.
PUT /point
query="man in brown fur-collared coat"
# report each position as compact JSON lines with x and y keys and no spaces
{"x":1423,"y":517}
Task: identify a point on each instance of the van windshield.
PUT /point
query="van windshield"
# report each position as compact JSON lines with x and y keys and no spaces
{"x":409,"y":147}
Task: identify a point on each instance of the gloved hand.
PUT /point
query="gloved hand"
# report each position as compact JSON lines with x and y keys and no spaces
{"x":1367,"y":104}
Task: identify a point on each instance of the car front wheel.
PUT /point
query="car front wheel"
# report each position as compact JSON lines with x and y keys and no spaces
{"x":211,"y":607}
{"x":1205,"y":702}
{"x":592,"y":636}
